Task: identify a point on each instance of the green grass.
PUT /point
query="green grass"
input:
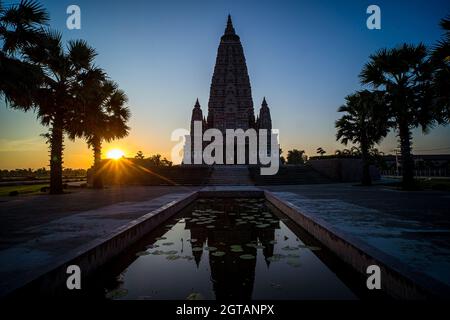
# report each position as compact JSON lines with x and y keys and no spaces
{"x":435,"y":184}
{"x":439,"y":184}
{"x":24,"y":189}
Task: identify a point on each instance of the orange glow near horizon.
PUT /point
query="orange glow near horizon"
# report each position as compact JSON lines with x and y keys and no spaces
{"x":115,"y":154}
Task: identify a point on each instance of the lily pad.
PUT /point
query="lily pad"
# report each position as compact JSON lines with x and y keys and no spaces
{"x":273,"y":259}
{"x":116,"y":293}
{"x":194,"y":296}
{"x":210,"y":248}
{"x":196,"y":249}
{"x":288,"y":248}
{"x":293,"y":263}
{"x":172,"y":257}
{"x":247,"y":257}
{"x":218,"y":253}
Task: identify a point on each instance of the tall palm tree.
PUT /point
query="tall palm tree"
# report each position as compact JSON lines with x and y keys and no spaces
{"x":104,"y":118}
{"x":320,"y":151}
{"x":20,"y":26}
{"x":56,"y":101}
{"x":364,"y":123}
{"x":440,"y":59}
{"x":403,"y":75}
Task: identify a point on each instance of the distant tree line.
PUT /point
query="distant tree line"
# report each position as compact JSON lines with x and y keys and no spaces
{"x":41,"y":173}
{"x":155,"y":160}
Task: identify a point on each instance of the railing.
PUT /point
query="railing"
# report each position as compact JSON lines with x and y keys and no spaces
{"x":425,"y":173}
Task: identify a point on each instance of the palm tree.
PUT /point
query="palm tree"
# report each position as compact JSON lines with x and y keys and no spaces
{"x":57,"y":101}
{"x":139,"y":155}
{"x":104,"y":117}
{"x":320,"y":151}
{"x":440,"y":59}
{"x":364,"y":123}
{"x":20,"y":26}
{"x":296,"y":156}
{"x":403,"y":76}
{"x":355,"y":151}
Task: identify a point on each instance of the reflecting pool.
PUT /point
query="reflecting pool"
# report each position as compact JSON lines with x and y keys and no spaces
{"x":224,"y":248}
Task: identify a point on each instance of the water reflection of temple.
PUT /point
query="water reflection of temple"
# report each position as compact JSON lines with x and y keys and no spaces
{"x":232,"y":277}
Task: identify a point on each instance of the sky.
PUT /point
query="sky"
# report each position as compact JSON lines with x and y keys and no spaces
{"x":303,"y":56}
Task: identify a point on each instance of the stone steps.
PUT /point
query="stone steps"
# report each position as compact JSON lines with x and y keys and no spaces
{"x":299,"y":174}
{"x":230,"y":175}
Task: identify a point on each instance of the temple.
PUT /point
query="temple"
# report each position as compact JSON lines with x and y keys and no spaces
{"x":230,"y":103}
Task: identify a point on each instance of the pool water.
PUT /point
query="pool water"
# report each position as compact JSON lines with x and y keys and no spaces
{"x":222,"y":248}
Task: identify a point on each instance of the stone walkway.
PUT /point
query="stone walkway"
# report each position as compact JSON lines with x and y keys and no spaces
{"x":413,"y":227}
{"x":18,"y":214}
{"x":49,"y":241}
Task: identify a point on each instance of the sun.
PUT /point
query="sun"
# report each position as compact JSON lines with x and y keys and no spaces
{"x":115,"y":154}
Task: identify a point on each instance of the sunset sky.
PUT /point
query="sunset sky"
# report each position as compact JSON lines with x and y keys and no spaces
{"x":303,"y":56}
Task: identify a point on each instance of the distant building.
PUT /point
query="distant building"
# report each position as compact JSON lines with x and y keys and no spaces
{"x":424,"y":164}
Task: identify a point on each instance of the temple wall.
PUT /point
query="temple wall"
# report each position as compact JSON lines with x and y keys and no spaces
{"x":343,"y":170}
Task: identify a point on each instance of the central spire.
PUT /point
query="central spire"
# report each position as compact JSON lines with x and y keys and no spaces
{"x":230,"y":103}
{"x":229,"y":30}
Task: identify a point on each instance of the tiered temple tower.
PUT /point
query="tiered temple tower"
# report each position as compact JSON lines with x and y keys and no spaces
{"x":230,"y":99}
{"x":230,"y":103}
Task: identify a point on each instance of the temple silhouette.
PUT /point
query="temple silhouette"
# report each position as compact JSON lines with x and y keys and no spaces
{"x":232,"y":277}
{"x":230,"y":103}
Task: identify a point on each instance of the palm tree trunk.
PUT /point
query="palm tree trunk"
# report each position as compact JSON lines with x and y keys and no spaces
{"x":56,"y":152}
{"x":97,"y":182}
{"x":407,"y":159}
{"x":366,"y":178}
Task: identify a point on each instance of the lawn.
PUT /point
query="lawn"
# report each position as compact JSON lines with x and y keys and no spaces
{"x":24,"y":189}
{"x":439,"y":184}
{"x":435,"y":184}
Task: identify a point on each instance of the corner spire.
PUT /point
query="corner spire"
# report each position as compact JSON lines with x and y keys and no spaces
{"x":264,"y":102}
{"x":197,"y":104}
{"x":229,"y":29}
